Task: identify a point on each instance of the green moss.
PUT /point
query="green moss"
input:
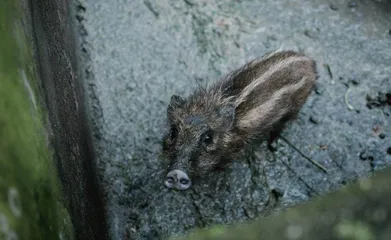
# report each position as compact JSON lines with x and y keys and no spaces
{"x":216,"y":231}
{"x":353,"y":230}
{"x":29,"y":190}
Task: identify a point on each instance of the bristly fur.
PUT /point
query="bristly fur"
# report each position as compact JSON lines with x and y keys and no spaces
{"x":212,"y":124}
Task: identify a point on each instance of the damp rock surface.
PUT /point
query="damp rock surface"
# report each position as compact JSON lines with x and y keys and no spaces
{"x":136,"y":54}
{"x":339,"y":215}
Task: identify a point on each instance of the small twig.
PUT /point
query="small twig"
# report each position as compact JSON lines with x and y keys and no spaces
{"x":150,"y":7}
{"x":346,"y":99}
{"x":328,"y":68}
{"x":306,"y":184}
{"x":382,"y":114}
{"x":303,"y":155}
{"x":189,"y":3}
{"x":271,"y":202}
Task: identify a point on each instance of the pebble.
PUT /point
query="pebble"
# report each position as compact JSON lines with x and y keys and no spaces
{"x":318,"y":89}
{"x":354,"y":81}
{"x":352,"y":4}
{"x":363,"y":155}
{"x":314,"y":120}
{"x":333,"y":7}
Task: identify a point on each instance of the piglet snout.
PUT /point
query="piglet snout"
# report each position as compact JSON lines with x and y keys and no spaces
{"x":177,"y":179}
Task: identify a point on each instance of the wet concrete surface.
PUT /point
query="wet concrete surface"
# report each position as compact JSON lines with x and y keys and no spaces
{"x":136,"y":54}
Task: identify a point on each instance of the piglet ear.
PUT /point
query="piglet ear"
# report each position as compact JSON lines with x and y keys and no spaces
{"x":176,"y":101}
{"x":228,"y":112}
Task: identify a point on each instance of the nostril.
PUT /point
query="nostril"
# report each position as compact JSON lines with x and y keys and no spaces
{"x":170,"y":181}
{"x":184,"y":181}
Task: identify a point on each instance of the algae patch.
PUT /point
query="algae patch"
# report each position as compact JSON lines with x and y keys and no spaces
{"x":29,"y":188}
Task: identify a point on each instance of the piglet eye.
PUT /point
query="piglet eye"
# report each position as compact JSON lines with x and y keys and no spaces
{"x":208,"y":138}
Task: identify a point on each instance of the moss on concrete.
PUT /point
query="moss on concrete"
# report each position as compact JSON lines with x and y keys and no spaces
{"x":29,"y":188}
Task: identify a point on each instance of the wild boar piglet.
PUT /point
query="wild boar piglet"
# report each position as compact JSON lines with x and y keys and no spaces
{"x":256,"y":101}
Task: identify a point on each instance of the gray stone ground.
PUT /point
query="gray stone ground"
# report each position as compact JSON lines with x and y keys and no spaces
{"x":137,"y":53}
